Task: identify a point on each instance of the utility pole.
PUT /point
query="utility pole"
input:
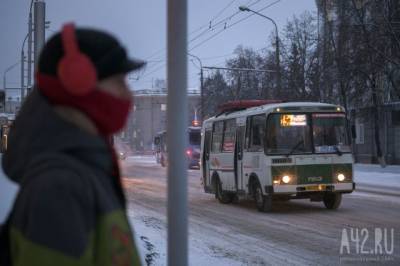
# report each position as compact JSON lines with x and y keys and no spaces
{"x":201,"y":94}
{"x":23,"y":68}
{"x":30,"y":30}
{"x":201,"y":87}
{"x":177,"y":102}
{"x":22,"y":74}
{"x":39,"y":29}
{"x":278,"y":64}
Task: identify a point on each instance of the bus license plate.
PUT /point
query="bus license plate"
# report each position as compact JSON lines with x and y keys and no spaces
{"x":318,"y":187}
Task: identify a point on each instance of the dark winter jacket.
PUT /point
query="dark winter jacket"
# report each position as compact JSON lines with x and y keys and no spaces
{"x":70,"y":209}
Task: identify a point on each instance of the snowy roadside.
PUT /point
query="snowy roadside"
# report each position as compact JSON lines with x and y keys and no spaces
{"x":150,"y":226}
{"x":148,"y":160}
{"x":364,"y":174}
{"x":204,"y":249}
{"x":369,"y":178}
{"x":208,"y":242}
{"x":372,"y":178}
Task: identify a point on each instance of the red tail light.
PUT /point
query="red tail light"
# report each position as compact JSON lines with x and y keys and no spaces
{"x":189,"y":152}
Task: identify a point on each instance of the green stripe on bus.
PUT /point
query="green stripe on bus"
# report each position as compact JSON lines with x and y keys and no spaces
{"x":312,"y":174}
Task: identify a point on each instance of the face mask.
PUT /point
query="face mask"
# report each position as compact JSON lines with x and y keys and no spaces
{"x":109,"y":113}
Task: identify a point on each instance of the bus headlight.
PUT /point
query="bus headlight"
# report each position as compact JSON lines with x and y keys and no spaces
{"x":341,"y":177}
{"x":286,"y":179}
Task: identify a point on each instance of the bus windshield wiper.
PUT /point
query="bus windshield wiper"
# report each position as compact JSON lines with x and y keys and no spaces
{"x":294,"y":148}
{"x":338,"y":151}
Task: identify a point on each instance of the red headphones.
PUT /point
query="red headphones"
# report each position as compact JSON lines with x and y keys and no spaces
{"x":75,"y":70}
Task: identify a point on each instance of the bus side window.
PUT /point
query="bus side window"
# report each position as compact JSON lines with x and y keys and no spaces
{"x":247,"y":136}
{"x":257,"y":132}
{"x":229,"y":136}
{"x":207,"y":144}
{"x":218,"y":128}
{"x":163,"y":142}
{"x":271,"y":134}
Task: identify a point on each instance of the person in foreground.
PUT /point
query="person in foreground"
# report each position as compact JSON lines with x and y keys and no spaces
{"x":70,"y":209}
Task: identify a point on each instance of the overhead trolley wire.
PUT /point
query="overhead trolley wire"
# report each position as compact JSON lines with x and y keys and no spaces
{"x":208,"y":30}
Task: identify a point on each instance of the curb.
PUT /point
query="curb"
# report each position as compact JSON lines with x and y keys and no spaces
{"x":376,"y":189}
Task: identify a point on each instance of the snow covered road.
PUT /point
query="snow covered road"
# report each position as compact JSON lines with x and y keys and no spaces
{"x":298,"y":232}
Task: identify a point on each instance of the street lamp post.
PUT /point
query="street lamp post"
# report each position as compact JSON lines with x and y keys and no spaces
{"x":278,"y":66}
{"x":5,"y":81}
{"x":5,"y":73}
{"x":201,"y":86}
{"x":23,"y":68}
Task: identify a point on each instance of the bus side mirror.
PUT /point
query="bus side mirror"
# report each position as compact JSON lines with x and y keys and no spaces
{"x":156,"y":141}
{"x":353,"y":131}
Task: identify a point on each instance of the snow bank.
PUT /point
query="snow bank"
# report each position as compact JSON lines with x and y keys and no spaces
{"x":375,"y":175}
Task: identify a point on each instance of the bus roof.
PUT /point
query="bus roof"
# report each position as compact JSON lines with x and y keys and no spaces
{"x":291,"y":107}
{"x":189,"y":129}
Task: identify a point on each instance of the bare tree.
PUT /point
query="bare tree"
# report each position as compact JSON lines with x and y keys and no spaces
{"x":300,"y":58}
{"x":216,"y":92}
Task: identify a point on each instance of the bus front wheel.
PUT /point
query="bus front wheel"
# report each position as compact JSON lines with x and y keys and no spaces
{"x":263,"y":202}
{"x":223,"y":196}
{"x":332,"y":200}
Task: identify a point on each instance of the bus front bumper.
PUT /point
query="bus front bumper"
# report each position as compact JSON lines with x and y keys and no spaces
{"x":299,"y":189}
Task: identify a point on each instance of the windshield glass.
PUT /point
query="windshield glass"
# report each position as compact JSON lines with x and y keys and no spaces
{"x":288,"y":134}
{"x":194,"y":138}
{"x":329,"y":133}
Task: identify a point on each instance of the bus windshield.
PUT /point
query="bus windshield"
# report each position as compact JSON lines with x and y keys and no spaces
{"x":288,"y":134}
{"x":329,"y":133}
{"x":194,"y":137}
{"x":291,"y":133}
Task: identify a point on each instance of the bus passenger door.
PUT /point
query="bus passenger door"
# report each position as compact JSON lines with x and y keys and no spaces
{"x":205,"y":160}
{"x":238,"y":158}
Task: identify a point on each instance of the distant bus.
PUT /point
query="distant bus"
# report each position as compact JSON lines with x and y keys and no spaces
{"x":277,"y":151}
{"x":160,"y":146}
{"x":192,"y":151}
{"x":6,"y":121}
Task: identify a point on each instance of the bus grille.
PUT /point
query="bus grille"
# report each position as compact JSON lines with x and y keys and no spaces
{"x":281,"y":160}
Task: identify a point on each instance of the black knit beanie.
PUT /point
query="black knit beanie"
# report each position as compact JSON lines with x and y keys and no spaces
{"x":106,"y":53}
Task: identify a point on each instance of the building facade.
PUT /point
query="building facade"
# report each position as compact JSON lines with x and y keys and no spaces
{"x":149,"y":117}
{"x":12,"y":100}
{"x":358,"y":49}
{"x":364,"y":146}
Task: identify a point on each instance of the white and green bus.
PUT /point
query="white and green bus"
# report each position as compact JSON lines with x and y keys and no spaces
{"x":277,"y":151}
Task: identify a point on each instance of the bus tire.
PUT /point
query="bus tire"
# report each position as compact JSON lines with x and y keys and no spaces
{"x":263,"y":202}
{"x":332,"y":200}
{"x":223,"y":196}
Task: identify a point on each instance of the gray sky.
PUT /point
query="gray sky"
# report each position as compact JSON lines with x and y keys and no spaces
{"x":141,"y":27}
